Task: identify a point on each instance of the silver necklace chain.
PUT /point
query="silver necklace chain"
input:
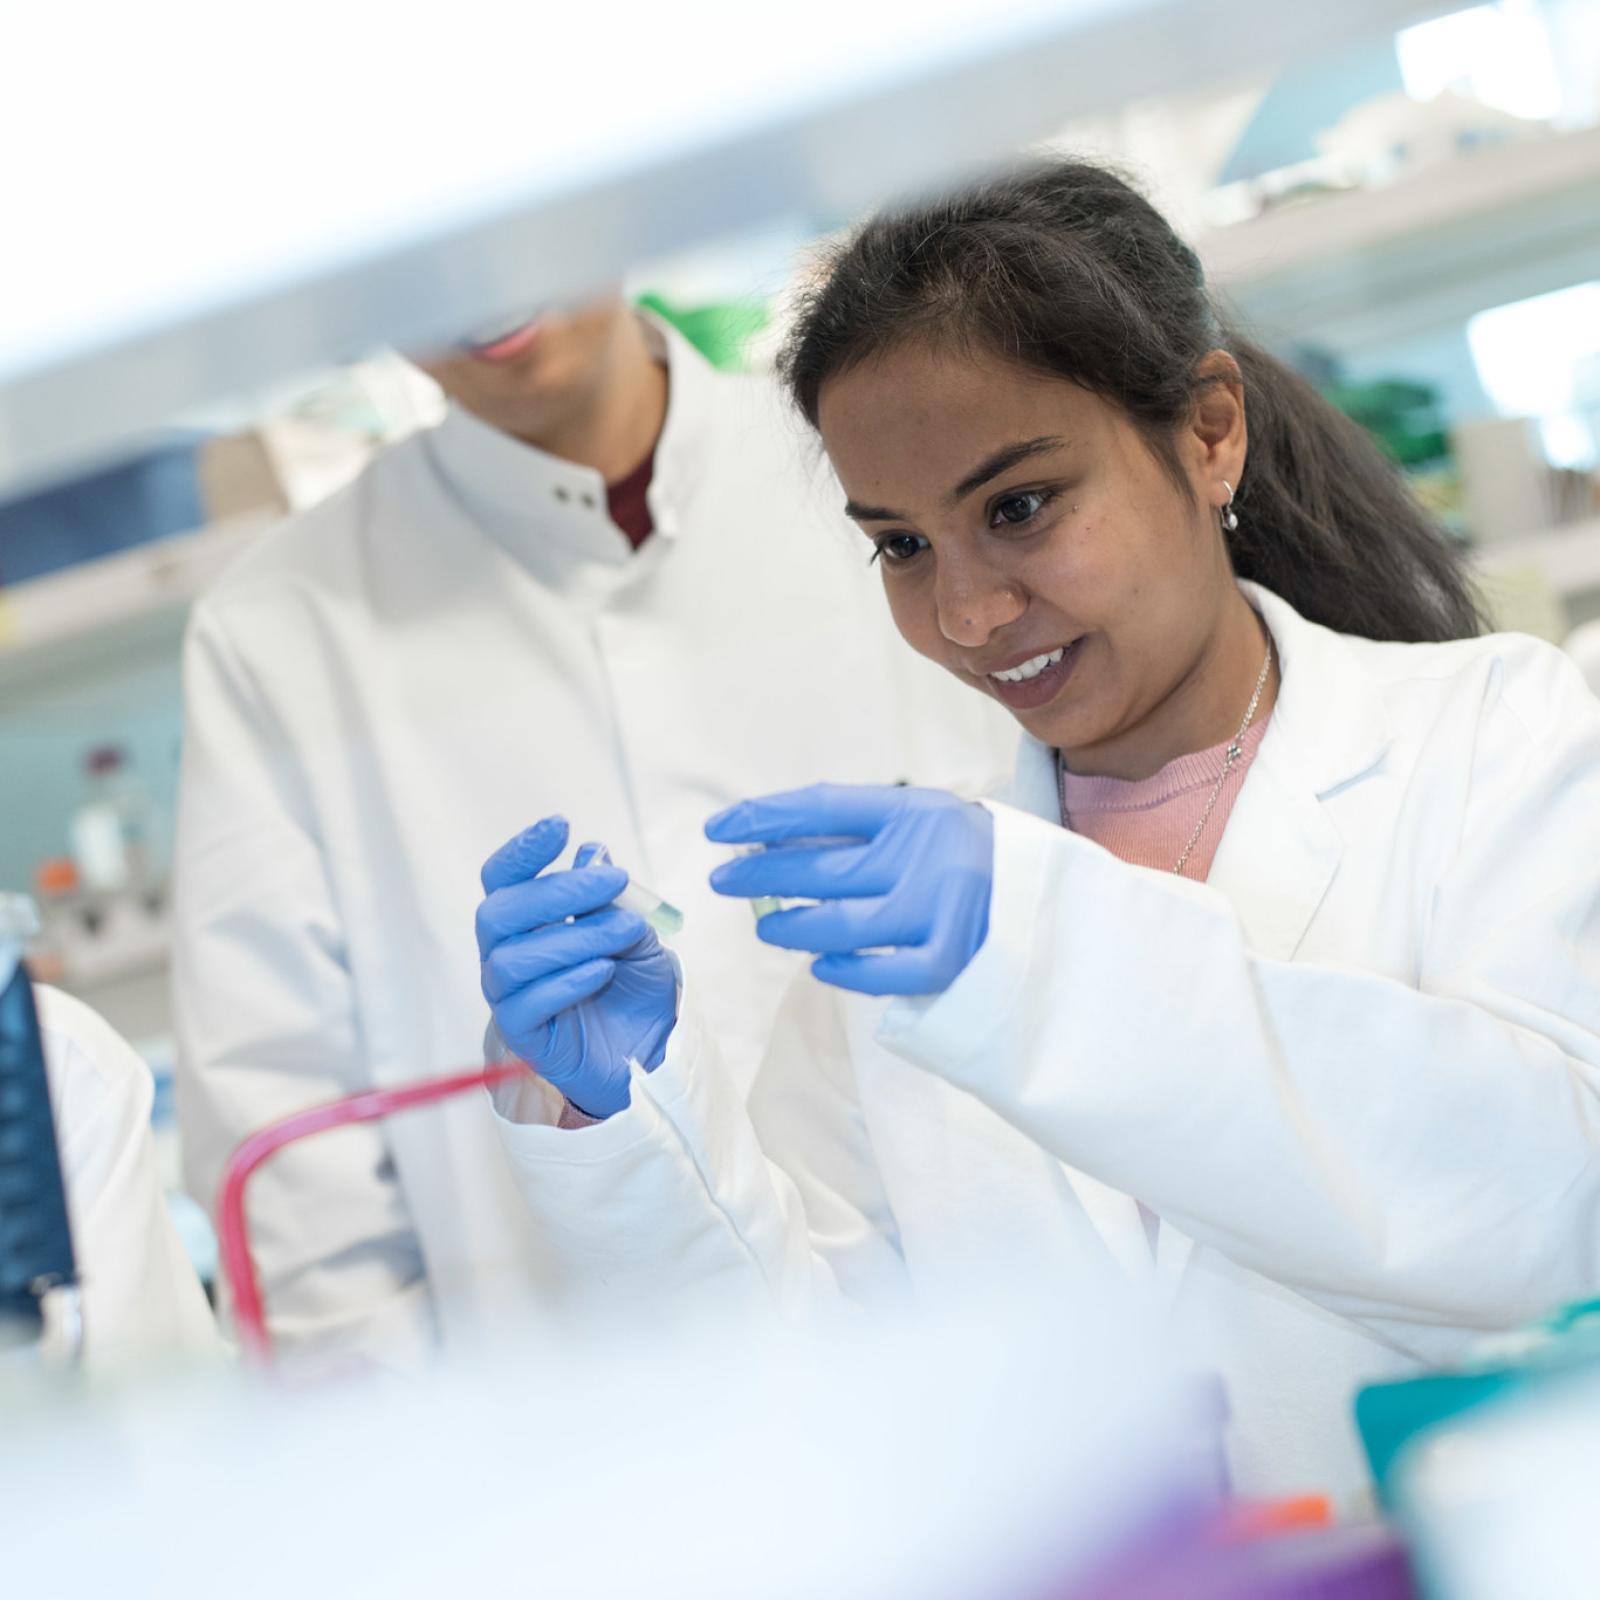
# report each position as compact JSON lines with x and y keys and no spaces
{"x":1230,"y":760}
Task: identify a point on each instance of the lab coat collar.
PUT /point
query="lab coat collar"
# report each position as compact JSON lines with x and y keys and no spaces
{"x":1280,"y":850}
{"x":546,"y":511}
{"x":685,"y":444}
{"x":1329,"y":724}
{"x":1330,"y":719}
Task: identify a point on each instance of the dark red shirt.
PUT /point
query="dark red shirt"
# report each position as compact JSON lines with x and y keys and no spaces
{"x":627,"y":499}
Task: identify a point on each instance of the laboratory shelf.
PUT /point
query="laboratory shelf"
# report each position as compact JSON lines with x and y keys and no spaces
{"x":141,"y":947}
{"x":1566,"y":558}
{"x":89,"y":617}
{"x":1358,"y":269}
{"x":282,"y":248}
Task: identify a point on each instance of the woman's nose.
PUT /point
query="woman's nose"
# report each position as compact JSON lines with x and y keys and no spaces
{"x":974,"y":602}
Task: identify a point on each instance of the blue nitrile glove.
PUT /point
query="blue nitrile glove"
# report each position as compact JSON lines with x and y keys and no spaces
{"x":902,"y":873}
{"x":578,"y":999}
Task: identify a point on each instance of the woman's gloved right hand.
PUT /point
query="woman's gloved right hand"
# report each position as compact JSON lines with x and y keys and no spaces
{"x":577,"y":999}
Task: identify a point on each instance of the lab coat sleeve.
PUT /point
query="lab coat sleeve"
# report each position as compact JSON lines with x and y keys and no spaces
{"x":267,"y":1025}
{"x":677,"y":1199}
{"x":142,"y":1303}
{"x":1418,"y":1158}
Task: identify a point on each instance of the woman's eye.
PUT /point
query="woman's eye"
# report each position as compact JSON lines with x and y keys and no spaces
{"x":1016,"y":509}
{"x":896,"y":548}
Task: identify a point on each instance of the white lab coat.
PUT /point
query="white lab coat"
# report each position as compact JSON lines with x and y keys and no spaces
{"x":1355,"y":1074}
{"x":401,"y":679}
{"x":142,"y":1302}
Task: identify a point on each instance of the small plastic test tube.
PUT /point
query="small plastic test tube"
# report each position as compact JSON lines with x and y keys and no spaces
{"x":767,"y":903}
{"x":661,"y":914}
{"x":762,"y":904}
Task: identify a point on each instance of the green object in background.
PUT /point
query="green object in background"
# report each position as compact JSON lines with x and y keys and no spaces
{"x":1405,"y":418}
{"x":720,"y":333}
{"x":1391,"y":1415}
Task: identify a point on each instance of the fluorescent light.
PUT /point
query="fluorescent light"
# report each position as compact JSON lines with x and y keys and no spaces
{"x":1527,"y":355}
{"x":1499,"y":54}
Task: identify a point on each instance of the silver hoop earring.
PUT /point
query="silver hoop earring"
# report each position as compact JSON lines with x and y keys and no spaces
{"x":1230,"y":517}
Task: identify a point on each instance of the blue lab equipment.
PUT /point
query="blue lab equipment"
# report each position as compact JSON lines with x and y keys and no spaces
{"x":902,"y":878}
{"x":1390,"y":1415}
{"x":109,"y":509}
{"x":579,"y":986}
{"x":38,"y":1277}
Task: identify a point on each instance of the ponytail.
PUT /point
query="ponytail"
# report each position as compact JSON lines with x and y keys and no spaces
{"x":1327,"y":523}
{"x":1063,"y":267}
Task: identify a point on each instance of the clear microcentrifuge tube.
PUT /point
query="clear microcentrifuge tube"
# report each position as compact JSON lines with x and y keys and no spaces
{"x":661,"y":914}
{"x":762,"y":904}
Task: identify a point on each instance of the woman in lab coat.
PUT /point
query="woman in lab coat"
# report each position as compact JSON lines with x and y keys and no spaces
{"x":1336,"y":1105}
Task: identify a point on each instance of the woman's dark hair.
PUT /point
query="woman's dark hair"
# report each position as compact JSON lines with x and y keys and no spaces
{"x":1064,"y":268}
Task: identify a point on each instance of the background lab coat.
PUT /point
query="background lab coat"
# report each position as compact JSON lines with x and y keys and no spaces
{"x":403,"y":678}
{"x":141,"y":1299}
{"x":1356,"y":1074}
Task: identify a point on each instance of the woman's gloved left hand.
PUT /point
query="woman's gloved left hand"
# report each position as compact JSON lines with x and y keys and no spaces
{"x":579,"y":987}
{"x":902,"y":879}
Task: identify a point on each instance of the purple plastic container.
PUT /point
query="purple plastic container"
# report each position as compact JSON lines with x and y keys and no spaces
{"x":1360,"y":1562}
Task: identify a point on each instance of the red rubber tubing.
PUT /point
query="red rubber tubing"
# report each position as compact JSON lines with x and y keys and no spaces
{"x":367,"y":1105}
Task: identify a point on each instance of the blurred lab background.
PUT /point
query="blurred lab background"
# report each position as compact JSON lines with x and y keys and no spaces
{"x":1410,"y":215}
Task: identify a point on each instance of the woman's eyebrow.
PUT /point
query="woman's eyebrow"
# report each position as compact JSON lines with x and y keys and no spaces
{"x":861,"y":513}
{"x":1003,"y":460}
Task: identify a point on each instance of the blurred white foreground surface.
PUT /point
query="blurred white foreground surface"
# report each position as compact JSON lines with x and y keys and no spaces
{"x":968,"y":1459}
{"x":1503,"y":1504}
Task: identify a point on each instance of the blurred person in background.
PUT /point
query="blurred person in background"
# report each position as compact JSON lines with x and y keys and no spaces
{"x":609,"y":584}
